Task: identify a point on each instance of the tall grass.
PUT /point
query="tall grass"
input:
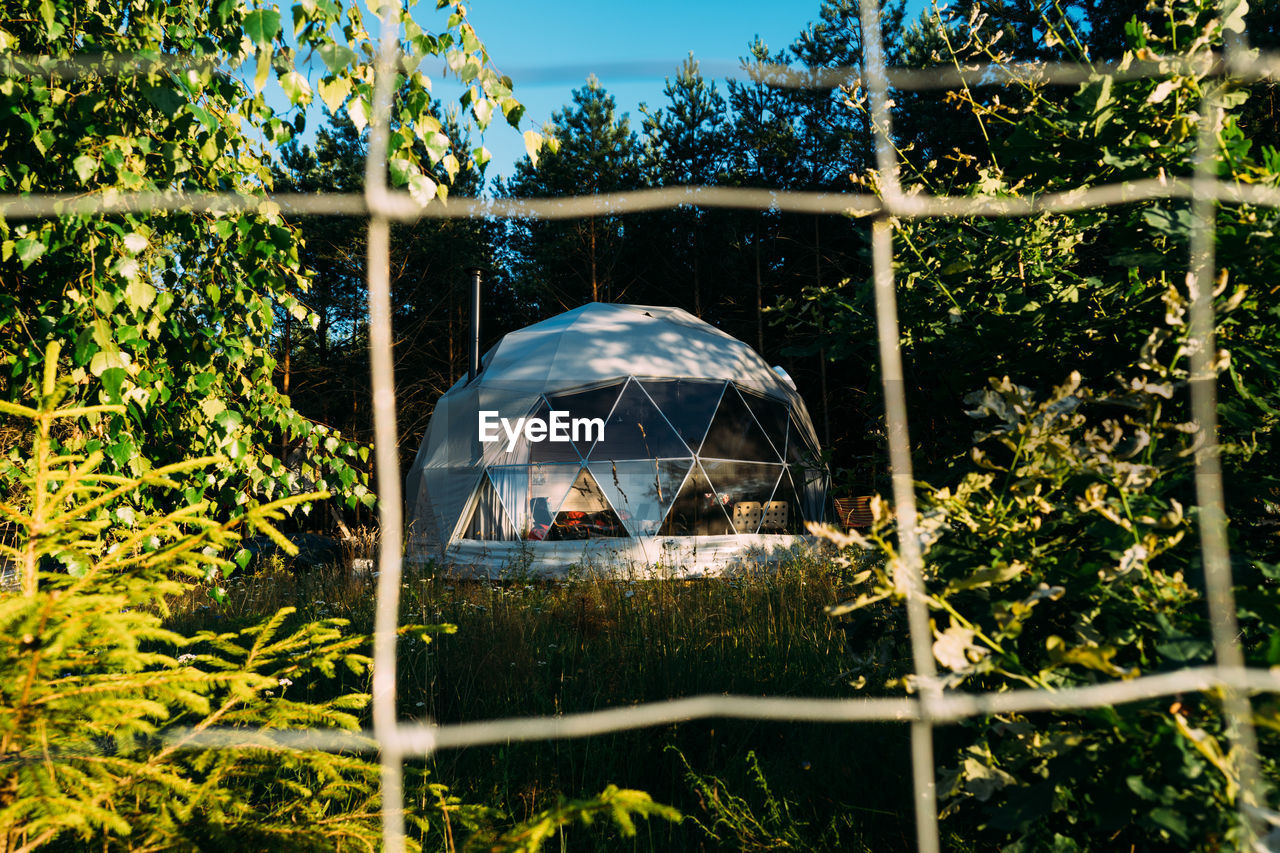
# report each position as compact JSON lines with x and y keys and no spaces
{"x":535,"y":647}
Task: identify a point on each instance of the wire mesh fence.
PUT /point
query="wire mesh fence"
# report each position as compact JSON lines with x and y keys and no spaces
{"x":930,"y":705}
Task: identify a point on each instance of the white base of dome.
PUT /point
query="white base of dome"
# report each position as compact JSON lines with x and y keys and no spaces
{"x":641,"y":557}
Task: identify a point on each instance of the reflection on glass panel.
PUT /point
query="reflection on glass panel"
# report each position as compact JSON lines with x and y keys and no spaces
{"x":587,"y":405}
{"x":800,"y":448}
{"x":585,"y":513}
{"x":783,"y":514}
{"x":698,"y":509}
{"x":511,"y":482}
{"x":772,"y":415}
{"x":546,"y":451}
{"x":688,"y":404}
{"x":734,"y":433}
{"x":637,"y":430}
{"x":744,"y":489}
{"x":548,"y":486}
{"x":488,"y":518}
{"x":811,"y":485}
{"x":641,"y":492}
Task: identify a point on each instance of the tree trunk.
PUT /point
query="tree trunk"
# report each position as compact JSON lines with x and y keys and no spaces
{"x":595,"y":285}
{"x":822,"y":353}
{"x":759,"y":298}
{"x":697,"y":270}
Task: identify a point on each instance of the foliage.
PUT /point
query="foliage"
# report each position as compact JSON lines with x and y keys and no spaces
{"x":171,"y":316}
{"x":734,"y":820}
{"x":596,"y":151}
{"x":535,"y":647}
{"x":1063,"y":551}
{"x":100,"y":695}
{"x":1065,"y":557}
{"x":91,"y":680}
{"x":619,"y":805}
{"x":327,"y":371}
{"x":1027,"y":295}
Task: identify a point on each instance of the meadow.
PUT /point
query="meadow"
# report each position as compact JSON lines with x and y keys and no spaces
{"x":525,"y":647}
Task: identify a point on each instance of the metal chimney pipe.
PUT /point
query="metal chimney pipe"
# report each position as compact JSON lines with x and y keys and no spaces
{"x":473,"y":369}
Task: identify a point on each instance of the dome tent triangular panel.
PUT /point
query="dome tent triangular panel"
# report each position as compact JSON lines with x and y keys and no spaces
{"x":641,"y":491}
{"x":735,"y":434}
{"x":636,"y":429}
{"x":688,"y":405}
{"x":642,"y":389}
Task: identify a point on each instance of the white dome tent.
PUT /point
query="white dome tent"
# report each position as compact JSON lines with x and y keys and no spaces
{"x":707,"y":458}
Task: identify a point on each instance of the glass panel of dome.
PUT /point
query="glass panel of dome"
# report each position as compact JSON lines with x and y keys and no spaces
{"x":548,"y":486}
{"x":783,"y":514}
{"x":641,"y":492}
{"x":687,"y":404}
{"x":585,"y":513}
{"x":734,"y":433}
{"x":800,"y":449}
{"x":587,"y":405}
{"x":545,"y":451}
{"x":636,"y":430}
{"x":488,"y":518}
{"x":743,"y":489}
{"x":511,"y":482}
{"x":811,"y":486}
{"x":697,"y":510}
{"x":772,"y":415}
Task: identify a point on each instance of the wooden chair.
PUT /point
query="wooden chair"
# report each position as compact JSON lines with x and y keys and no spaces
{"x":775,"y":516}
{"x":747,"y":516}
{"x":854,"y":512}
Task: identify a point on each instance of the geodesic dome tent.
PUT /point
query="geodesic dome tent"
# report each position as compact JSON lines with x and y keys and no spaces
{"x":678,"y":447}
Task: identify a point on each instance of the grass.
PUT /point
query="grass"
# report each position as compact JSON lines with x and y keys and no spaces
{"x":530,"y":647}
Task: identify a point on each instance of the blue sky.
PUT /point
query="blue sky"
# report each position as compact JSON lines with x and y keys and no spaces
{"x":548,"y":49}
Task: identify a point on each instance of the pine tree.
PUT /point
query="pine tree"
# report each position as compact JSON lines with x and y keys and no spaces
{"x":563,"y":264}
{"x":684,"y":146}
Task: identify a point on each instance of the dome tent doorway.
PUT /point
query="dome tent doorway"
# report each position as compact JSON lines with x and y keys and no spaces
{"x":693,"y":454}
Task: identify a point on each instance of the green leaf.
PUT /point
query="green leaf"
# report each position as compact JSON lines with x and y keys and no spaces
{"x":1185,"y":650}
{"x":421,"y":188}
{"x":139,"y":295}
{"x":533,"y":145}
{"x":112,"y":379}
{"x":296,"y":88}
{"x":165,"y":99}
{"x":85,"y":166}
{"x":76,"y":562}
{"x":29,"y":248}
{"x":1233,"y":14}
{"x":336,"y":56}
{"x":1171,"y":821}
{"x":358,"y":110}
{"x":106,"y":359}
{"x":400,"y":169}
{"x":263,"y":71}
{"x":262,"y":26}
{"x":334,"y":92}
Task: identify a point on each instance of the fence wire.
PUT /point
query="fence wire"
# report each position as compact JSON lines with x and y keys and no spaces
{"x":930,"y":706}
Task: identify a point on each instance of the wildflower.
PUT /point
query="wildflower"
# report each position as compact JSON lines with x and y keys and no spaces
{"x":186,"y":658}
{"x":285,"y":682}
